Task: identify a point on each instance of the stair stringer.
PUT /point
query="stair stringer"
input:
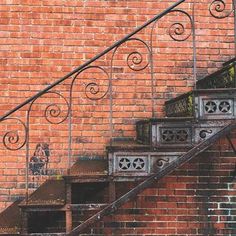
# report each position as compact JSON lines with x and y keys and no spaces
{"x":193,"y":152}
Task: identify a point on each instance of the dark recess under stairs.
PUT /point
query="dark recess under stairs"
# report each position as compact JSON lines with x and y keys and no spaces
{"x":194,"y":122}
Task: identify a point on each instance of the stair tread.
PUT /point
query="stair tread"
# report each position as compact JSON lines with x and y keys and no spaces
{"x":130,"y":145}
{"x":196,"y":91}
{"x":50,"y":193}
{"x":225,"y":67}
{"x":88,"y":206}
{"x":220,"y":81}
{"x":229,"y":61}
{"x":133,"y":146}
{"x":89,"y":167}
{"x":173,"y":119}
{"x":193,"y":152}
{"x":46,"y":234}
{"x":10,"y":220}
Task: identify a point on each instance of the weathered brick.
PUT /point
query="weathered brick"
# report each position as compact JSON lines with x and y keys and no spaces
{"x":41,"y":41}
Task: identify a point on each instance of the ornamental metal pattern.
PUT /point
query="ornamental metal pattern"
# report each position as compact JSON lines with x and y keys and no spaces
{"x":161,"y":162}
{"x":205,"y":130}
{"x":175,"y":135}
{"x":185,"y":133}
{"x":182,"y":106}
{"x":132,"y":163}
{"x":218,"y":106}
{"x":100,"y":85}
{"x":225,"y":78}
{"x":221,"y":9}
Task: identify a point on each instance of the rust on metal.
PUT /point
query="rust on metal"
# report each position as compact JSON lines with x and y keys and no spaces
{"x":10,"y":220}
{"x":201,"y":147}
{"x":50,"y":193}
{"x":130,"y":144}
{"x":88,"y":166}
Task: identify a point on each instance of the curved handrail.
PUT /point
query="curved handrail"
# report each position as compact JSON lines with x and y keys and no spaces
{"x":39,"y":94}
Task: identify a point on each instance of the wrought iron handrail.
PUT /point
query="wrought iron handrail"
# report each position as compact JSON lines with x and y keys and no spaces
{"x":176,"y":32}
{"x":201,"y":147}
{"x":116,"y":44}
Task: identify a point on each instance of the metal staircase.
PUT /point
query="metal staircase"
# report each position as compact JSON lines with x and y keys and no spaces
{"x":91,"y":189}
{"x":194,"y":121}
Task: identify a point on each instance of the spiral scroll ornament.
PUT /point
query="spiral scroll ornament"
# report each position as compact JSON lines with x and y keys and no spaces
{"x":54,"y":113}
{"x":181,"y":31}
{"x":15,"y":139}
{"x":160,"y":162}
{"x":203,"y":133}
{"x":137,"y":51}
{"x":135,"y":61}
{"x":219,"y":9}
{"x":99,"y":87}
{"x":92,"y":91}
{"x":177,"y":32}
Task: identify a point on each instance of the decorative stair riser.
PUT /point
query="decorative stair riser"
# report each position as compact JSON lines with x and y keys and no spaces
{"x":159,"y":133}
{"x":204,"y":104}
{"x":128,"y":166}
{"x":223,"y":78}
{"x":181,"y":106}
{"x":219,"y":86}
{"x":216,"y":104}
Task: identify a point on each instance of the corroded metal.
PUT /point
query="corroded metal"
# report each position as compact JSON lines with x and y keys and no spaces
{"x":180,"y":106}
{"x":215,"y":104}
{"x":224,"y":78}
{"x":129,"y":165}
{"x":178,"y":31}
{"x":175,"y":135}
{"x":143,"y":130}
{"x":10,"y":220}
{"x":136,"y":60}
{"x":50,"y":193}
{"x":218,"y":106}
{"x":89,"y":166}
{"x":193,"y":152}
{"x":173,"y":132}
{"x":184,"y":105}
{"x":12,"y":140}
{"x":218,"y":9}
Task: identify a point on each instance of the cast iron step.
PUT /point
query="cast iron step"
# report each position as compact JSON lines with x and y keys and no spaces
{"x":10,"y":220}
{"x":184,"y":104}
{"x":204,"y":104}
{"x":50,"y":193}
{"x":223,"y":78}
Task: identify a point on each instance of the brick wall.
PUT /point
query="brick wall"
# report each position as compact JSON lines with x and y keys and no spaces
{"x":41,"y":41}
{"x":196,"y":199}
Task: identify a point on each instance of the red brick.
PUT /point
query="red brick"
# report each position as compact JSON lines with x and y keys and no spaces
{"x":42,"y":41}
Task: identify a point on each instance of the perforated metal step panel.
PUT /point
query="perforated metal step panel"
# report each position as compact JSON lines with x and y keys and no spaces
{"x":175,"y":132}
{"x":134,"y":165}
{"x":215,"y":104}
